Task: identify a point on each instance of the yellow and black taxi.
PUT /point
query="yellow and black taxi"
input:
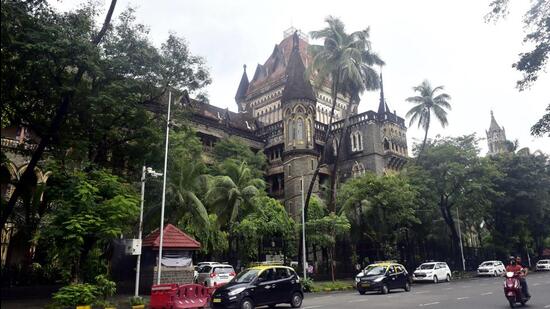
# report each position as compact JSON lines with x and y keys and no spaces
{"x":383,"y":277}
{"x":260,"y":286}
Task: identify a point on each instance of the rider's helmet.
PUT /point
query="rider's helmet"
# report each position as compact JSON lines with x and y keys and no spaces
{"x":512,"y":260}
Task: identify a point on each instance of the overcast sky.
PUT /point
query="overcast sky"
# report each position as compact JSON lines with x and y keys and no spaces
{"x":444,"y":41}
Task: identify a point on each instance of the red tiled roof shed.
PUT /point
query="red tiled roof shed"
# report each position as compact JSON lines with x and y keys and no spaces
{"x":174,"y":238}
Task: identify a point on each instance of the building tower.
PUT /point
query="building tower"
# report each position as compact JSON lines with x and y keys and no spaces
{"x":299,"y":155}
{"x":241,"y":91}
{"x":496,"y":137}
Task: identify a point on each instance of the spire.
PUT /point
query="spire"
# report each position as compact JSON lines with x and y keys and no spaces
{"x":382,"y":106}
{"x":243,"y":87}
{"x":297,"y":85}
{"x":494,"y":125}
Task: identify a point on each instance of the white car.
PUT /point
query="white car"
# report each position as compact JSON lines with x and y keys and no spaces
{"x":432,"y":271}
{"x":491,"y":268}
{"x":199,"y":266}
{"x":543,"y":265}
{"x":215,"y":275}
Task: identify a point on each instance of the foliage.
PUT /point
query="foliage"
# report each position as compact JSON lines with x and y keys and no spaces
{"x":268,"y":220}
{"x":426,"y":103}
{"x":307,"y":284}
{"x":236,"y":150}
{"x":76,"y":294}
{"x":213,"y":240}
{"x":543,"y":125}
{"x":536,"y":26}
{"x":345,"y":62}
{"x":329,"y":286}
{"x":105,"y":287}
{"x":136,"y":300}
{"x":453,"y":178}
{"x":380,"y":209}
{"x":90,"y":209}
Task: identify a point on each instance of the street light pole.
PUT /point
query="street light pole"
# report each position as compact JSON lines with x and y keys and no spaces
{"x":138,"y":263}
{"x":159,"y":267}
{"x":460,"y":240}
{"x":304,"y":262}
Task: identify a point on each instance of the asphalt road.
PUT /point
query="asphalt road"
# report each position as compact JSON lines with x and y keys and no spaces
{"x":476,"y":293}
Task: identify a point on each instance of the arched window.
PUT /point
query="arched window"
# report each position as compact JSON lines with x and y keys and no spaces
{"x":386,"y":144}
{"x":300,"y":129}
{"x":309,"y":138}
{"x":353,"y":142}
{"x":359,"y":141}
{"x":290,"y":133}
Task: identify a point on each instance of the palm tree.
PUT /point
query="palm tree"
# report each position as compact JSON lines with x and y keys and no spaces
{"x":427,"y":102}
{"x":345,"y":62}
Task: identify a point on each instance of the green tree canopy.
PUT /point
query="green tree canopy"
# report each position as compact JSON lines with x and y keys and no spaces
{"x":236,"y":150}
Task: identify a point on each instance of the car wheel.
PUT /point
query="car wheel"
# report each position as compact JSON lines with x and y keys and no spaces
{"x":435,"y":279}
{"x":384,"y":289}
{"x":247,"y":304}
{"x":448,"y":279}
{"x":407,"y":287}
{"x":362,"y":292}
{"x":296,"y":300}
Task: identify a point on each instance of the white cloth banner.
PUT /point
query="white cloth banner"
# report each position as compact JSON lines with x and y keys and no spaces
{"x":177,"y":261}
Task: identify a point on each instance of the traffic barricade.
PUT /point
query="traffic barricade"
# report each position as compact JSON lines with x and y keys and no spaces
{"x":163,"y":296}
{"x":173,"y":296}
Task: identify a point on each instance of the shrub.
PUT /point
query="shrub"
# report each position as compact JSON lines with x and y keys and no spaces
{"x":76,"y":294}
{"x":105,"y":287}
{"x":136,"y":300}
{"x":307,"y":284}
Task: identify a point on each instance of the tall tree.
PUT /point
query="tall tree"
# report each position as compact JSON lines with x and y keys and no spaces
{"x":426,"y":103}
{"x":537,"y":27}
{"x":344,"y":62}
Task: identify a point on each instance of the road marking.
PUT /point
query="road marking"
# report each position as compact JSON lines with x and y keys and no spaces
{"x":466,"y":286}
{"x":311,"y":307}
{"x":429,"y":304}
{"x":547,"y":306}
{"x":448,"y":289}
{"x":461,"y":298}
{"x":536,"y":284}
{"x":488,"y":293}
{"x":357,"y":300}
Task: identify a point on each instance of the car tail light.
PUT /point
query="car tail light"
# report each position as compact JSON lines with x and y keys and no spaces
{"x":212,"y":275}
{"x":232,"y":274}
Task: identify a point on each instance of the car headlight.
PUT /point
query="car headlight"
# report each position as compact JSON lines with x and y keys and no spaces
{"x":357,"y":279}
{"x":378,"y":279}
{"x":236,"y":291}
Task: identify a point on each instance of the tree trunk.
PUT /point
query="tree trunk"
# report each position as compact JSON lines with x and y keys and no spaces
{"x":55,"y":125}
{"x":425,"y":134}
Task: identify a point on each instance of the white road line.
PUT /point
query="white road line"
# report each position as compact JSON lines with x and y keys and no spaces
{"x":448,"y":289}
{"x":536,"y":284}
{"x":547,"y":306}
{"x":311,"y":307}
{"x":357,"y":300}
{"x":429,"y":304}
{"x":488,"y":293}
{"x":461,"y":298}
{"x":466,"y":286}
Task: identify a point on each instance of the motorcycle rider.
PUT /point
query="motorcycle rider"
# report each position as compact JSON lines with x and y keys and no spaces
{"x":523,"y":274}
{"x":517,"y":269}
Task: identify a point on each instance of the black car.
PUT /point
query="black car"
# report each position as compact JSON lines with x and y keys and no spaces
{"x":383,"y":277}
{"x":259,"y":286}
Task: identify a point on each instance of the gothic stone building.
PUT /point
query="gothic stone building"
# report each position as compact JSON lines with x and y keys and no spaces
{"x":496,"y":137}
{"x":283,"y":115}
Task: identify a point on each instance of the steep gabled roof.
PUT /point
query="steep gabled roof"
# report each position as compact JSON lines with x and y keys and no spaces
{"x":494,"y":125}
{"x":297,"y":86}
{"x":173,"y":238}
{"x":382,"y":106}
{"x":243,"y":87}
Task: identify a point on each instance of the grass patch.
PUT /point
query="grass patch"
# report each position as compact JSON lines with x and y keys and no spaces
{"x":329,"y":286}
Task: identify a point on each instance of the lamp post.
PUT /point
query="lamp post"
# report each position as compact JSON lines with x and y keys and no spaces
{"x":144,"y":172}
{"x":460,"y":240}
{"x":159,"y":267}
{"x":304,"y":262}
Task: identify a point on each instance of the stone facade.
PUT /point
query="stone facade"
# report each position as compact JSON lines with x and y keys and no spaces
{"x":496,"y":137}
{"x":282,"y":114}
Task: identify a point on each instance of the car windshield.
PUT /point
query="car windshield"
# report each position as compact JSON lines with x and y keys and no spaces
{"x":375,"y":270}
{"x":247,"y":276}
{"x":427,"y":266}
{"x":487,"y":264}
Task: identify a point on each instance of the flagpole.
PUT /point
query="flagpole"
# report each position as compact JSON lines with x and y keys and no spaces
{"x":159,"y":267}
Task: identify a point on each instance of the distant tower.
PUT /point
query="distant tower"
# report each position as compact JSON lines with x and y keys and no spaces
{"x":241,"y":91}
{"x":496,"y":137}
{"x":299,"y":155}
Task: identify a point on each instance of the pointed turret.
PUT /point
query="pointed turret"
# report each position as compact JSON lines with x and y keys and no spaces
{"x":297,"y":85}
{"x":243,"y":87}
{"x":494,"y":125}
{"x":382,"y":106}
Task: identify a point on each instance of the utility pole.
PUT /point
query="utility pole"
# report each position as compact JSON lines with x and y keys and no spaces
{"x":460,"y":240}
{"x":159,"y":267}
{"x":304,"y":262}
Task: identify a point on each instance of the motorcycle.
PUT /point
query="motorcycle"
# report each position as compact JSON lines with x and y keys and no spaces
{"x":513,"y":291}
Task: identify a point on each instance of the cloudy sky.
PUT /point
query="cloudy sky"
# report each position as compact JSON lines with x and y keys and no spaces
{"x":444,"y":41}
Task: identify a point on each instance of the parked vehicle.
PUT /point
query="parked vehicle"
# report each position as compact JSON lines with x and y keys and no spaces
{"x":513,"y":291}
{"x":198,"y":267}
{"x":215,"y":275}
{"x":432,"y":271}
{"x":542,"y":265}
{"x":259,"y":286}
{"x":383,"y":277}
{"x":491,"y":268}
